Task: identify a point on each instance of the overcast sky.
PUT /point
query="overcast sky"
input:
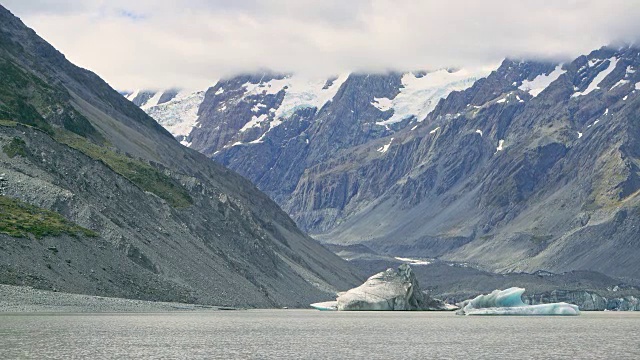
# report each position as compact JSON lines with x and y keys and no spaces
{"x":191,"y":43}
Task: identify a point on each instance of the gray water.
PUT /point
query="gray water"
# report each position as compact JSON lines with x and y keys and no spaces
{"x":313,"y":334}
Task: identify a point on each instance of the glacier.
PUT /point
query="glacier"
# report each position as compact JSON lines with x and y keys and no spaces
{"x":509,"y":302}
{"x":420,"y":94}
{"x":179,"y":115}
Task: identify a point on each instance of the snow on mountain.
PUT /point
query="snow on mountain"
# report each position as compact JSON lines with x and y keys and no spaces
{"x":304,"y":93}
{"x":420,"y":94}
{"x":382,"y":104}
{"x":255,"y":122}
{"x":273,"y":100}
{"x":541,"y":82}
{"x":155,"y":99}
{"x":385,"y":147}
{"x":300,"y":93}
{"x":133,"y":95}
{"x":595,"y":83}
{"x":178,"y":115}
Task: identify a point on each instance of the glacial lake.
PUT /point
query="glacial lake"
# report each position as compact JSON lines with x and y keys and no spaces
{"x":310,"y":334}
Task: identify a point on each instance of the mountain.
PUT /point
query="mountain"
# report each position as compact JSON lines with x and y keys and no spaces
{"x":97,"y":198}
{"x":272,"y":127}
{"x":533,"y":167}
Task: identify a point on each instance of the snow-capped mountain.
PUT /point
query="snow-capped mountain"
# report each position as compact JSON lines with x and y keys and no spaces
{"x":417,"y":94}
{"x":526,"y":168}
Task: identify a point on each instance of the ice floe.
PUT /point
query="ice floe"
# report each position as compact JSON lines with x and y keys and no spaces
{"x":509,"y":302}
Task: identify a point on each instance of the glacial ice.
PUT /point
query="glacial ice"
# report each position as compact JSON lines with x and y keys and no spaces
{"x":386,"y":291}
{"x":326,"y":306}
{"x":180,"y":114}
{"x":419,"y":95}
{"x":509,"y":302}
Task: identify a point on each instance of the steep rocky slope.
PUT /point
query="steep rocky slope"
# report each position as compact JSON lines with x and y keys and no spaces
{"x":271,"y":128}
{"x":534,"y":167}
{"x":136,"y":214}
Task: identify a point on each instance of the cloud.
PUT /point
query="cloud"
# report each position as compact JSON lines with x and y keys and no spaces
{"x":191,"y":43}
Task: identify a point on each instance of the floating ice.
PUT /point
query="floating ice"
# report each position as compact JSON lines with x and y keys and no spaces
{"x":509,"y":302}
{"x":326,"y":306}
{"x":387,"y":291}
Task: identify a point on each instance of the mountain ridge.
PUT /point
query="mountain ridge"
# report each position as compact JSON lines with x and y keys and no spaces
{"x":171,"y":225}
{"x":470,"y":181}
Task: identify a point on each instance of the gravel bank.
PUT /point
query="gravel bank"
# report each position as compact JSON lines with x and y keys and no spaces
{"x":27,"y":299}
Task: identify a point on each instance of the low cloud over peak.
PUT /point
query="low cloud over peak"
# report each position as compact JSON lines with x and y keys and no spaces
{"x":161,"y":43}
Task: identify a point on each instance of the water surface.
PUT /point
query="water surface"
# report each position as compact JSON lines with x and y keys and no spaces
{"x":318,"y":335}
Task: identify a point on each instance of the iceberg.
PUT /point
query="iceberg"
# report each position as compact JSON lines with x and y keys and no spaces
{"x":386,"y":291}
{"x":326,"y":306}
{"x":509,"y":302}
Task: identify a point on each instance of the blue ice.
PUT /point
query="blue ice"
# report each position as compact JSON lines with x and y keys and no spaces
{"x":509,"y":302}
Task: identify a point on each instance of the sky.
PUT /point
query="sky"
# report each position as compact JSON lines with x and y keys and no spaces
{"x":157,"y":44}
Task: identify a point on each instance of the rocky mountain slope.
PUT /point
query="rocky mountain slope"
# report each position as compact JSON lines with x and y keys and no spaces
{"x":99,"y":199}
{"x":272,"y":128}
{"x":533,"y":167}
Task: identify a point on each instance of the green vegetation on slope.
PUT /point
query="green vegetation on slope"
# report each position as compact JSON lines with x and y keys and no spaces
{"x":16,"y":147}
{"x":29,"y":100}
{"x":19,"y":219}
{"x":141,"y":174}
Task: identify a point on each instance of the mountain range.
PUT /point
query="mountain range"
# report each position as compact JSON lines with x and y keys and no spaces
{"x":529,"y":166}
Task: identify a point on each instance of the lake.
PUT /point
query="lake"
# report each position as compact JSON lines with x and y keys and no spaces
{"x":313,"y":334}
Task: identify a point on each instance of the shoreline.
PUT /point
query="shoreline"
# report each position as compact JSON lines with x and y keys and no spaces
{"x":24,"y":299}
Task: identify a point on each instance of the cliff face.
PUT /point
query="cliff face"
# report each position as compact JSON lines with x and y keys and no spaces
{"x":137,"y":214}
